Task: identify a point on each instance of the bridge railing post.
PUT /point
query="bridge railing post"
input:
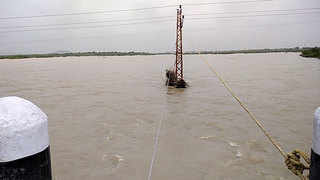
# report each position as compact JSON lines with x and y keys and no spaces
{"x":24,"y":141}
{"x":315,"y":150}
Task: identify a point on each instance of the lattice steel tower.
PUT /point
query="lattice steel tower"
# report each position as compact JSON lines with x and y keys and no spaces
{"x":175,"y":75}
{"x":179,"y":53}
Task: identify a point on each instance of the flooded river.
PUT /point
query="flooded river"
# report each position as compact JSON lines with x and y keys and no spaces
{"x":104,"y":113}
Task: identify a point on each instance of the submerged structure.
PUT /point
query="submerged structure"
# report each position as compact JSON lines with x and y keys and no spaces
{"x":175,"y":75}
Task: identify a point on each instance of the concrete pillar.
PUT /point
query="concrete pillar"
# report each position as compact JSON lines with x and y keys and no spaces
{"x":315,"y":150}
{"x":24,"y":141}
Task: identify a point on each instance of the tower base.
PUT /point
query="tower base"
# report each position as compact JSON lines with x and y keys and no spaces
{"x":181,"y":84}
{"x":172,"y":80}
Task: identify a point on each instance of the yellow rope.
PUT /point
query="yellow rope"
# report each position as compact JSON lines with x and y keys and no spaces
{"x":292,"y":160}
{"x":247,"y":110}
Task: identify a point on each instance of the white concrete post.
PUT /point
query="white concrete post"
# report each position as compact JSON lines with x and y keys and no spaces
{"x":24,"y":141}
{"x":315,"y":150}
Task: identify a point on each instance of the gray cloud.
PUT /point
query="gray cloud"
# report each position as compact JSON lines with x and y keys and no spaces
{"x":206,"y":34}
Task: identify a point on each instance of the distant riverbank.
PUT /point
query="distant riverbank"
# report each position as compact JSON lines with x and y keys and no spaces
{"x":312,"y":53}
{"x":306,"y":52}
{"x":23,"y":56}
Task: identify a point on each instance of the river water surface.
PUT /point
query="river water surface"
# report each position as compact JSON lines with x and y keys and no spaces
{"x":104,"y":113}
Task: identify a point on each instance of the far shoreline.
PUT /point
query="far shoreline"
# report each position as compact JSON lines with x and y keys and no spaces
{"x":307,"y":52}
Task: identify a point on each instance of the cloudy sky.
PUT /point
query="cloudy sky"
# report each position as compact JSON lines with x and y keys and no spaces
{"x":209,"y":25}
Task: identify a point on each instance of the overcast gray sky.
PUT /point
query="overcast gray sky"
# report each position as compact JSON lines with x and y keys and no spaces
{"x":221,"y":26}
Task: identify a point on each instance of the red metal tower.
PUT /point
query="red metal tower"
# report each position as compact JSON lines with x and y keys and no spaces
{"x":179,"y":53}
{"x":175,"y":76}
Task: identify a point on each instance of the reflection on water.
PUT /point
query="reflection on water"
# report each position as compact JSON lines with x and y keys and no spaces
{"x":103,"y":114}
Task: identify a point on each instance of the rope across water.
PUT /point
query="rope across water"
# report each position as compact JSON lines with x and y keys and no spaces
{"x":247,"y":110}
{"x":292,"y":160}
{"x":156,"y":144}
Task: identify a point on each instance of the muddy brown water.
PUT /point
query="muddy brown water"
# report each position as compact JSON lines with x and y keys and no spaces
{"x":104,"y":111}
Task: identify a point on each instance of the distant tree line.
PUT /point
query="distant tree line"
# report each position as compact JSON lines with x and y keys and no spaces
{"x":131,"y":53}
{"x":311,"y":52}
{"x":246,"y":51}
{"x":306,"y":52}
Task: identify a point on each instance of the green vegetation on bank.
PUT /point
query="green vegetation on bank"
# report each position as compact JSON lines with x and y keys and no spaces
{"x":132,"y":53}
{"x":306,"y":52}
{"x":248,"y":51}
{"x":311,"y":53}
